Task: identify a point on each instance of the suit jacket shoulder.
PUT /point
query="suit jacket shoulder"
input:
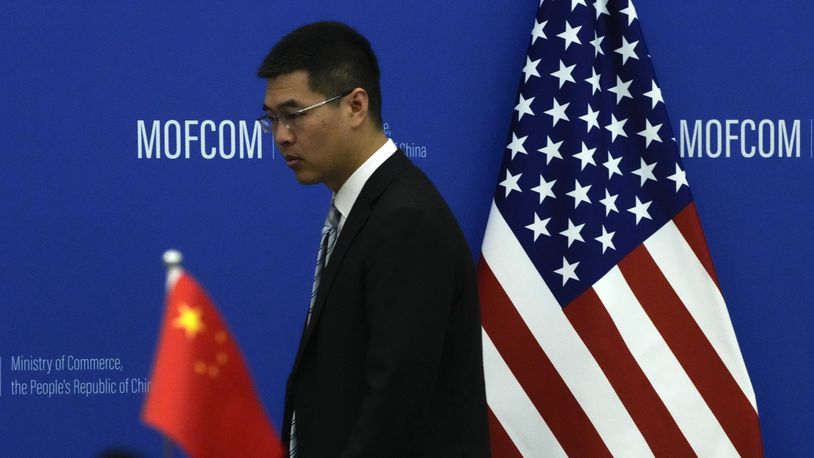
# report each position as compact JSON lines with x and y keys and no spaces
{"x":390,"y":364}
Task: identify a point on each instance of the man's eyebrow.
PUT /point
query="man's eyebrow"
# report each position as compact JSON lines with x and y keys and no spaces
{"x":287,"y":104}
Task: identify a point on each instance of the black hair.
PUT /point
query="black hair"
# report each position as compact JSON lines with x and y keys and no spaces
{"x":336,"y":57}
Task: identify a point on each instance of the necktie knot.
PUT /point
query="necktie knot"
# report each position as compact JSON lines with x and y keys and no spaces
{"x":331,"y":219}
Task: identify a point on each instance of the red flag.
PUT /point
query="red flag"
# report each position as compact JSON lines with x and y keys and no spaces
{"x":202,"y":396}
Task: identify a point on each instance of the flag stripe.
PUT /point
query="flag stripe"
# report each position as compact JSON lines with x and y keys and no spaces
{"x":534,"y":371}
{"x":545,"y":319}
{"x":589,"y":317}
{"x":693,"y":350}
{"x":499,"y":439}
{"x":702,"y":299}
{"x":627,"y":333}
{"x":668,"y":378}
{"x":689,"y":225}
{"x":513,"y":408}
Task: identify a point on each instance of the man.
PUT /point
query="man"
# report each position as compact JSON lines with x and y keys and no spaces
{"x":389,"y":363}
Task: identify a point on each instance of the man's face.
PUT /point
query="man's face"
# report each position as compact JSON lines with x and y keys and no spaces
{"x":316,"y":145}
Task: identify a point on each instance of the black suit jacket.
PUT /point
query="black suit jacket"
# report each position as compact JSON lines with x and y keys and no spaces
{"x":390,"y":364}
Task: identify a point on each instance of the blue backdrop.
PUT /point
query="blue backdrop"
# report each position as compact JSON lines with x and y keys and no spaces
{"x":86,"y":214}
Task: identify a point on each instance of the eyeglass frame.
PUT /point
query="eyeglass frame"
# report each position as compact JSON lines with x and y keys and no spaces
{"x":268,"y":122}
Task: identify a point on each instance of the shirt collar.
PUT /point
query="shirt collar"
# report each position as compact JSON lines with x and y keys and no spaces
{"x":349,"y":192}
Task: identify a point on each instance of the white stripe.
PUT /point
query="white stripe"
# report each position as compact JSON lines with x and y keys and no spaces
{"x":701,"y":296}
{"x":513,"y":408}
{"x":692,"y":415}
{"x":545,"y":319}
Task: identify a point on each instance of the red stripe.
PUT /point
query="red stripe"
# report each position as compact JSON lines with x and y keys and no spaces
{"x":689,"y":225}
{"x":534,"y":371}
{"x":502,"y":446}
{"x":593,"y":323}
{"x":692,"y":349}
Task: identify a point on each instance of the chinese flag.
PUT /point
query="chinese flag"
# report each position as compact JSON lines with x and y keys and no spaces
{"x":202,"y":396}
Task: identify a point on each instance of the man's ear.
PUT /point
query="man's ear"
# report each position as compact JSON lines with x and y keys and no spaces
{"x":357,"y":101}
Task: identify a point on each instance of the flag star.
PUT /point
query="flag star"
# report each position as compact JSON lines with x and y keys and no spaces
{"x":523,"y":107}
{"x":645,"y":172}
{"x":606,"y":239}
{"x":680,"y":178}
{"x":586,"y":156}
{"x":516,"y":146}
{"x":557,"y":112}
{"x":630,"y":11}
{"x":545,"y":189}
{"x":570,"y":35}
{"x":510,"y":183}
{"x":597,"y":42}
{"x":539,"y":226}
{"x":616,"y":128}
{"x":591,"y":118}
{"x":574,"y":4}
{"x":655,"y":95}
{"x":568,"y":271}
{"x":650,"y":133}
{"x":610,"y":203}
{"x":594,"y":81}
{"x":564,"y":73}
{"x":551,"y":150}
{"x":531,"y":68}
{"x":612,"y":164}
{"x":627,"y":50}
{"x":190,"y":320}
{"x":640,"y":210}
{"x":573,"y":232}
{"x":622,"y":89}
{"x":538,"y":32}
{"x":601,"y":7}
{"x":580,"y":194}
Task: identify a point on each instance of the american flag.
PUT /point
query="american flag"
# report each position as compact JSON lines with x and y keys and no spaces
{"x":605,"y":330}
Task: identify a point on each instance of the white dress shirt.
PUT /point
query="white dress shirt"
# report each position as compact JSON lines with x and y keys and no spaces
{"x":346,"y":196}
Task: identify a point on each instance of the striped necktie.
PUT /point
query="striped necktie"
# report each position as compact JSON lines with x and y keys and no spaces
{"x":326,"y":246}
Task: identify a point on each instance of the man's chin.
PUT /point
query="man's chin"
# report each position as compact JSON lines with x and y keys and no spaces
{"x":306,"y":179}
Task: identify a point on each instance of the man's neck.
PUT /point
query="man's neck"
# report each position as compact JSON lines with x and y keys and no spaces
{"x":370,"y":146}
{"x":361,"y":152}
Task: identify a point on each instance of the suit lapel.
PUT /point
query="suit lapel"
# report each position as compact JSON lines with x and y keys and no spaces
{"x":357,"y":218}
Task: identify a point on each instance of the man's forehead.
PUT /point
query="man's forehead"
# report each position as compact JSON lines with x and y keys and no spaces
{"x":295,"y":79}
{"x":288,"y":86}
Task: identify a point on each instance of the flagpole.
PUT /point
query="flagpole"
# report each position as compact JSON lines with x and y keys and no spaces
{"x":172,"y":262}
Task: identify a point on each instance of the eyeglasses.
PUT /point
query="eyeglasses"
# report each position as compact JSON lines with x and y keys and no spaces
{"x":269,"y":122}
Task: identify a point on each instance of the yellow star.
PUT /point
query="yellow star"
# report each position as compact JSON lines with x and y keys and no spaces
{"x":189,"y":319}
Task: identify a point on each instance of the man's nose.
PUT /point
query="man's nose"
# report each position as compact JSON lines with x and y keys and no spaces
{"x":282,"y":134}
